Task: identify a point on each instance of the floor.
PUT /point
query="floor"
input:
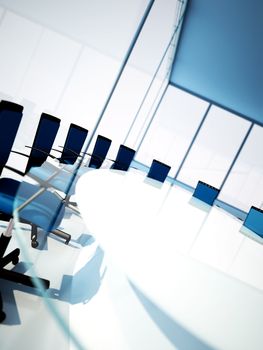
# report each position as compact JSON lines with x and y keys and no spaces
{"x":91,"y":304}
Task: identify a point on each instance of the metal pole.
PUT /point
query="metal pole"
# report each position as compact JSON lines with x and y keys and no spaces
{"x":236,"y":156}
{"x":155,"y":74}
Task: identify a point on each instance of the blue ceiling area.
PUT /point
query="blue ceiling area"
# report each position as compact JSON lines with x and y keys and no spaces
{"x":220,"y":54}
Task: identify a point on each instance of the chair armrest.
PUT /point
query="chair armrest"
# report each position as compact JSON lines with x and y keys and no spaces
{"x":57,"y":150}
{"x":42,"y":151}
{"x":87,"y":153}
{"x":14,"y":170}
{"x":20,"y":153}
{"x":67,"y":149}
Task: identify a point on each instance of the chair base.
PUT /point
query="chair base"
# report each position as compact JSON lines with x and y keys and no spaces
{"x":2,"y":314}
{"x":14,"y":276}
{"x":57,"y":232}
{"x":20,"y":278}
{"x":62,"y":235}
{"x":11,"y":257}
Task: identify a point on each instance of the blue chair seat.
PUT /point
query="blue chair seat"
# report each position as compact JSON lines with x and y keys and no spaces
{"x":46,"y":211}
{"x":63,"y":178}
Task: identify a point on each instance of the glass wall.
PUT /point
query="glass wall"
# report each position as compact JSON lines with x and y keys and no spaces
{"x":214,"y":148}
{"x":146,"y":73}
{"x":172,"y":129}
{"x":46,"y":71}
{"x":244,"y":186}
{"x":68,"y":70}
{"x":203,"y":147}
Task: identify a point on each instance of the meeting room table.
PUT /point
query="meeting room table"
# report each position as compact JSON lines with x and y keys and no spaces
{"x":192,"y":260}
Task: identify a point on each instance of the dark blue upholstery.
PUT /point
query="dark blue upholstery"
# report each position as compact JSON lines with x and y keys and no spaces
{"x":254,"y":220}
{"x":74,"y":141}
{"x":99,"y":152}
{"x":46,"y":211}
{"x":64,"y":178}
{"x":124,"y":158}
{"x":45,"y":135}
{"x":158,"y":171}
{"x":10,"y":118}
{"x":205,"y":192}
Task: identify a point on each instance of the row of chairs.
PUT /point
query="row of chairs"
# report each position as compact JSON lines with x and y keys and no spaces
{"x":39,"y":212}
{"x":40,"y":150}
{"x":42,"y":145}
{"x":71,"y":151}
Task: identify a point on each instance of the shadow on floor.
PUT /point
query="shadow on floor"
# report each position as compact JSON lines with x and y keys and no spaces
{"x":82,"y":286}
{"x":78,"y":288}
{"x":176,"y":333}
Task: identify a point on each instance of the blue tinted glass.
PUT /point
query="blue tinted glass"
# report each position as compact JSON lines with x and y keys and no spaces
{"x":254,"y":221}
{"x":158,"y":171}
{"x":205,"y":192}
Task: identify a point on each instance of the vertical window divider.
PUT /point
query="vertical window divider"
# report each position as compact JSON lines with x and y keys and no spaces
{"x":180,"y":20}
{"x":123,"y":65}
{"x":193,"y":140}
{"x":152,"y":118}
{"x":237,"y":155}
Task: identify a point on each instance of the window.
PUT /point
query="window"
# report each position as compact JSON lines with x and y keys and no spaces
{"x":244,"y":186}
{"x":172,"y":129}
{"x":214,"y":149}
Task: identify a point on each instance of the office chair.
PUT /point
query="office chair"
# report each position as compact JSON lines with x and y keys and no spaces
{"x":254,"y":220}
{"x":124,"y":158}
{"x":43,"y":210}
{"x":158,"y":171}
{"x":99,"y":152}
{"x":205,"y":192}
{"x":70,"y":152}
{"x":10,"y":118}
{"x":66,"y":178}
{"x":74,"y":142}
{"x":43,"y":141}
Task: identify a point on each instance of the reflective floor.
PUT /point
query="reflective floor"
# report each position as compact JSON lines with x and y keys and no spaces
{"x":91,"y":303}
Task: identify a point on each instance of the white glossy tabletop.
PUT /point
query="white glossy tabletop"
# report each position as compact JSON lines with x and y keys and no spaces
{"x":189,"y":259}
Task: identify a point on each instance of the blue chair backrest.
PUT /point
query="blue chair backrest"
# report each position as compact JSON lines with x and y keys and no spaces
{"x":99,"y":152}
{"x":205,"y":192}
{"x":74,"y":141}
{"x":45,"y":136}
{"x":254,"y":220}
{"x":10,"y":118}
{"x":124,"y":158}
{"x":158,"y":171}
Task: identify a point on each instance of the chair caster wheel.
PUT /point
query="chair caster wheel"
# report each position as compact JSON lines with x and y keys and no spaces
{"x":2,"y":316}
{"x":15,"y":261}
{"x":34,"y":244}
{"x":68,"y":240}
